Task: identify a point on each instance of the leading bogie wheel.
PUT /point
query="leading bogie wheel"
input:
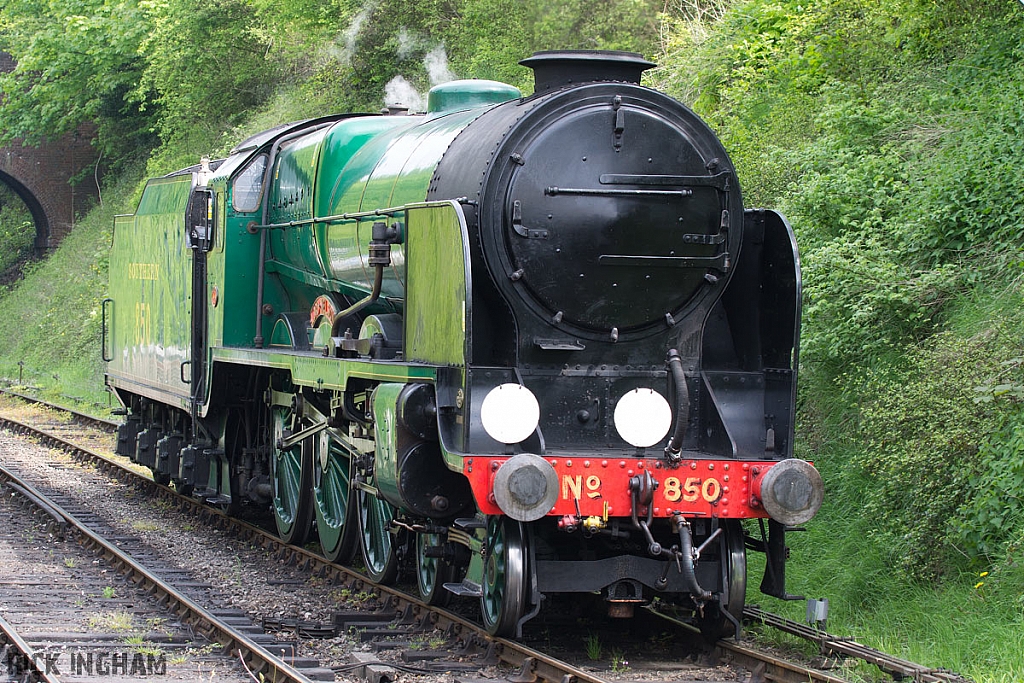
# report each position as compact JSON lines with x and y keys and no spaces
{"x":713,"y":623}
{"x":335,"y":510}
{"x":292,"y":470}
{"x":432,"y":572}
{"x":503,"y":593}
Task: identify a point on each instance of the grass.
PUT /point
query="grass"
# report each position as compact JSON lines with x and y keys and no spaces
{"x":112,"y":621}
{"x":593,"y":647}
{"x":50,"y":320}
{"x":967,"y":623}
{"x":142,"y":646}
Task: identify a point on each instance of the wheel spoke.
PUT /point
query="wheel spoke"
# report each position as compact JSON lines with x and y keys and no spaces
{"x":292,"y":471}
{"x":378,"y":546}
{"x":331,"y":496}
{"x":432,"y":572}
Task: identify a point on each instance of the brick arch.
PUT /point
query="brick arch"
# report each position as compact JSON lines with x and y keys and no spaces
{"x":53,"y":179}
{"x":39,"y":217}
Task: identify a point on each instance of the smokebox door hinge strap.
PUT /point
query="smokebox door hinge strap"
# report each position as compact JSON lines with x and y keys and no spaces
{"x":522,"y":230}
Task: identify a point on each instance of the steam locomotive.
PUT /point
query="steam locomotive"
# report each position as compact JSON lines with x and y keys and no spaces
{"x":520,"y":346}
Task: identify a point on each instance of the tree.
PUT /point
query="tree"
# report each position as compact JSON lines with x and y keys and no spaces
{"x":77,"y":61}
{"x":207,"y":62}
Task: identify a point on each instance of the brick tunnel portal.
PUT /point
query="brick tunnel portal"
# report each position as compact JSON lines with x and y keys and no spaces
{"x":55,"y":179}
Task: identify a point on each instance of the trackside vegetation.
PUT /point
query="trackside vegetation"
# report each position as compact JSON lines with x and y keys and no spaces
{"x":17,"y":233}
{"x":891,"y":135}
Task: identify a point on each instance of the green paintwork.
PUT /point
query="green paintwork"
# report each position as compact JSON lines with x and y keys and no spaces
{"x":150,"y":285}
{"x":468,"y":94}
{"x":341,"y":144}
{"x":362,"y":164}
{"x":438,"y":273}
{"x":378,"y":542}
{"x":291,"y":472}
{"x":232,"y":268}
{"x":291,"y":199}
{"x":354,"y":164}
{"x":385,"y":461}
{"x":397,"y":170}
{"x":324,"y":373}
{"x":281,"y":336}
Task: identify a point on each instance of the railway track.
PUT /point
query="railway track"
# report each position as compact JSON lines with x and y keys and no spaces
{"x":394,"y":617}
{"x":101,"y":423}
{"x":401,"y":623}
{"x":52,"y":624}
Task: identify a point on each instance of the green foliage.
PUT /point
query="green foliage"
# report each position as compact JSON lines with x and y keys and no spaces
{"x":207,"y":63}
{"x":375,"y":41}
{"x":924,"y":434}
{"x":17,"y":230}
{"x":991,"y":522}
{"x":863,"y":303}
{"x":186,"y":71}
{"x":975,"y":132}
{"x":848,"y":199}
{"x":76,"y":61}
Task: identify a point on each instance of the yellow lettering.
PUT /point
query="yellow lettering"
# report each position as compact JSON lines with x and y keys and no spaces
{"x":143,"y":271}
{"x":672,"y":492}
{"x":711,"y":490}
{"x":572,"y":485}
{"x":691,"y":487}
{"x":593,"y":486}
{"x":142,"y":323}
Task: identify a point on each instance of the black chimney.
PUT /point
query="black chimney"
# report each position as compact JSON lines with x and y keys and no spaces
{"x":557,"y":69}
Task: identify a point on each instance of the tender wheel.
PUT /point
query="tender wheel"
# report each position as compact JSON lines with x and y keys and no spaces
{"x":432,"y":572}
{"x":379,"y":545}
{"x":503,"y":600}
{"x":292,"y":471}
{"x":335,"y":514}
{"x":714,"y":624}
{"x":161,"y":478}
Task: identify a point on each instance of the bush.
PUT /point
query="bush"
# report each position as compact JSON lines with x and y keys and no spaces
{"x":925,"y":449}
{"x":991,"y":523}
{"x":207,"y":63}
{"x":17,"y":230}
{"x":969,"y":175}
{"x":862,"y":304}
